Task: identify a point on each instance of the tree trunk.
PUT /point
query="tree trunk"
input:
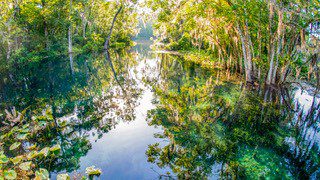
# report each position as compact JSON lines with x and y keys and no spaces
{"x":302,"y":39}
{"x":15,"y":17}
{"x":9,"y":43}
{"x":298,"y":70}
{"x":84,"y":25}
{"x":240,"y":59}
{"x":312,"y":66}
{"x":106,"y":48}
{"x":246,"y":52}
{"x":271,"y":48}
{"x":280,"y":42}
{"x":70,"y":50}
{"x":70,"y":41}
{"x":284,"y":73}
{"x":106,"y":44}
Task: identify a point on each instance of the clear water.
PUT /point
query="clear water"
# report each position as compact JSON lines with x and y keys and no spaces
{"x":120,"y":153}
{"x":157,"y":116}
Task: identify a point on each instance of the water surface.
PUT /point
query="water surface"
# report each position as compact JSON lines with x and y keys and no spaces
{"x":157,"y":116}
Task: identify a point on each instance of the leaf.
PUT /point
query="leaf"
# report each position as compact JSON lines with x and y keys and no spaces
{"x":22,"y":136}
{"x":44,"y":151}
{"x":42,"y":123}
{"x":63,"y":177}
{"x":14,"y":129}
{"x":3,"y":136}
{"x":25,"y":166}
{"x":42,"y":174}
{"x":93,"y":171}
{"x":3,"y":158}
{"x":32,"y":147}
{"x":27,"y":130}
{"x":10,"y":174}
{"x":16,"y":159}
{"x":55,"y":148}
{"x":32,"y":155}
{"x":25,"y":126}
{"x":15,"y":145}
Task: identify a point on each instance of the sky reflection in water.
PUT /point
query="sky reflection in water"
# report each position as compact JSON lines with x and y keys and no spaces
{"x":167,"y":115}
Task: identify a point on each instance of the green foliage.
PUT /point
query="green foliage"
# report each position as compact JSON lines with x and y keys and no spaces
{"x":24,"y":160}
{"x":263,"y":163}
{"x":93,"y":171}
{"x":63,"y":177}
{"x":15,"y":145}
{"x":42,"y":174}
{"x":25,"y":166}
{"x":211,"y":122}
{"x":3,"y":158}
{"x":184,"y":44}
{"x":227,"y":29}
{"x":35,"y":33}
{"x":10,"y":174}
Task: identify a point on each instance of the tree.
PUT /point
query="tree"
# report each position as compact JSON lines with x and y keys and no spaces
{"x":260,"y":35}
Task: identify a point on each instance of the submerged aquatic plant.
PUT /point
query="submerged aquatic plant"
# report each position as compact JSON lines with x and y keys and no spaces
{"x":63,"y":177}
{"x":93,"y":171}
{"x":19,"y":157}
{"x":217,"y":127}
{"x":21,"y":153}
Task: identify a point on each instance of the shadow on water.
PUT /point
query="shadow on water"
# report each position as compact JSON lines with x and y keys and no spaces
{"x":175,"y":120}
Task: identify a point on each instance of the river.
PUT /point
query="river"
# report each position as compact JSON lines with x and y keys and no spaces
{"x":157,"y":116}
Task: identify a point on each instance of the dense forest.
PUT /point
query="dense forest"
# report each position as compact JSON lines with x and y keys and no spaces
{"x":268,"y":41}
{"x":34,"y":31}
{"x":159,"y":89}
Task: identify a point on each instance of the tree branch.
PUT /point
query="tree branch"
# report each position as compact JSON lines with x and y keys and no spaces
{"x":106,"y":44}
